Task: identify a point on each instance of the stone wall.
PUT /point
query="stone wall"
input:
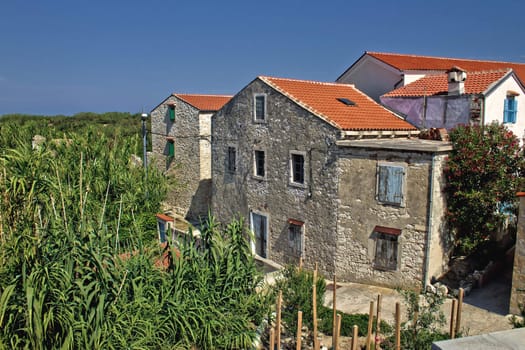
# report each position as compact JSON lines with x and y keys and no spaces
{"x":189,"y":194}
{"x":517,"y":294}
{"x":360,"y":212}
{"x":288,"y":127}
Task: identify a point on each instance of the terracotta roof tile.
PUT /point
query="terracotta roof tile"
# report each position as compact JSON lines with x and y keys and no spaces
{"x":322,"y":99}
{"x":476,"y":82}
{"x":416,"y":62}
{"x":205,"y":102}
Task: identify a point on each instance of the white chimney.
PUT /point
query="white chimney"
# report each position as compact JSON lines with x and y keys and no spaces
{"x":456,"y":81}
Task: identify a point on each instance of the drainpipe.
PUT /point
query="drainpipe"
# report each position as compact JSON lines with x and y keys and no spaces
{"x":429,"y":224}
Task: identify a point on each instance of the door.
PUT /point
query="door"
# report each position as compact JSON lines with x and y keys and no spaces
{"x":260,"y":231}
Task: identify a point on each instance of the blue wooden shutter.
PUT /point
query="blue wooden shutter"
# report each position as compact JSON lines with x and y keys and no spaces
{"x":390,"y":184}
{"x":513,"y":109}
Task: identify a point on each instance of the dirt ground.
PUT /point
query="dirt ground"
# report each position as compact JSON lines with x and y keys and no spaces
{"x":484,"y":309}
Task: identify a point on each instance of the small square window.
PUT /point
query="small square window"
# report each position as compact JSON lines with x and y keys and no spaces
{"x":259,"y":163}
{"x":260,"y":107}
{"x":510,"y":109}
{"x":386,"y":254}
{"x":295,"y":236}
{"x":297,"y":168}
{"x":390,"y":182}
{"x":232,"y":159}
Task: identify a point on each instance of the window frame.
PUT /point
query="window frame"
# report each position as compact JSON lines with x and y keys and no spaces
{"x":291,"y":168}
{"x":385,"y":194}
{"x":510,"y":109}
{"x":231,"y":164}
{"x":256,"y":165}
{"x":256,"y":117}
{"x":387,"y":238}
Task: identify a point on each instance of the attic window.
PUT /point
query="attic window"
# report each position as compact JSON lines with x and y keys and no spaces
{"x":346,"y":101}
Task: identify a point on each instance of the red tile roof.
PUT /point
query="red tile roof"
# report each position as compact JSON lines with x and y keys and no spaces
{"x":476,"y":82}
{"x":415,"y":62}
{"x":322,"y":100}
{"x":205,"y":102}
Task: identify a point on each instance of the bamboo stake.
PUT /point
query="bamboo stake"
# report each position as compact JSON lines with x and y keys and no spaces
{"x":453,"y":319}
{"x":314,"y":309}
{"x":370,"y":322}
{"x":460,"y":307}
{"x":334,"y":315}
{"x":272,"y":339}
{"x":278,"y":324}
{"x":354,"y":338}
{"x":378,"y":324}
{"x":299,"y":329}
{"x":337,"y":331}
{"x":398,"y":327}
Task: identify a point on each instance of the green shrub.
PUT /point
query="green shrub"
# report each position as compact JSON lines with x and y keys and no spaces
{"x":347,"y":323}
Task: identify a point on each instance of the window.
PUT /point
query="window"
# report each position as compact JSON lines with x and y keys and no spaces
{"x":171,"y":111}
{"x":390,"y":179}
{"x":510,"y":109}
{"x":171,"y":148}
{"x":259,"y":166}
{"x":259,"y":226}
{"x":260,"y":107}
{"x":231,"y":159}
{"x":297,"y":168}
{"x":386,"y":247}
{"x":295,"y":236}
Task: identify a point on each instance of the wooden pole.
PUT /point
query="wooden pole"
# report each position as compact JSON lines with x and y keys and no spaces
{"x":398,"y":327}
{"x":453,"y":319}
{"x":334,"y":315}
{"x":299,"y":329}
{"x":272,"y":339}
{"x":314,"y":309}
{"x":460,"y":307}
{"x":378,"y":324}
{"x":370,"y":322}
{"x":337,"y":330}
{"x":278,"y":324}
{"x":354,"y":338}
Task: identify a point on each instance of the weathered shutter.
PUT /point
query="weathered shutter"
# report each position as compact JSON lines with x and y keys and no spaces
{"x":390,"y":184}
{"x":171,"y":149}
{"x":172,"y":113}
{"x":513,"y":110}
{"x":506,"y":112}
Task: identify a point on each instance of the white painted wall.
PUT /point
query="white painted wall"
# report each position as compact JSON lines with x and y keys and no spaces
{"x":494,"y":104}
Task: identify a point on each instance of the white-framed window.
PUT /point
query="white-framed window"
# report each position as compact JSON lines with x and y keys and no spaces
{"x":510,"y":109}
{"x":259,"y":107}
{"x":391,"y":183}
{"x":297,"y":168}
{"x":386,"y":255}
{"x":231,"y":159}
{"x":259,"y":163}
{"x":296,"y":236}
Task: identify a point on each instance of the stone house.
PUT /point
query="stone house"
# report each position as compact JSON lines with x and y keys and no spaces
{"x":181,"y":146}
{"x":323,"y":173}
{"x":457,"y":97}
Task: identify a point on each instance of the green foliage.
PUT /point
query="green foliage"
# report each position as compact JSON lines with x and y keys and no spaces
{"x":296,"y":285}
{"x":78,"y":264}
{"x":429,"y":320}
{"x":347,"y":323}
{"x":482,"y":172}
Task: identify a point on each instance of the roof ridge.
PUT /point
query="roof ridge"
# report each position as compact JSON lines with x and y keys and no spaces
{"x":441,"y":58}
{"x":204,"y":95}
{"x":308,"y":81}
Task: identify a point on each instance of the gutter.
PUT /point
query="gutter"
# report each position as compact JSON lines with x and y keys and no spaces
{"x":429,"y":224}
{"x":378,"y":133}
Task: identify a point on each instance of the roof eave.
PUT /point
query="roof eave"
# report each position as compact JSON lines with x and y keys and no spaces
{"x":378,"y":133}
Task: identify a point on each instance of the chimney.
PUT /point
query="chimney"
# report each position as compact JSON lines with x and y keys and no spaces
{"x":456,"y":81}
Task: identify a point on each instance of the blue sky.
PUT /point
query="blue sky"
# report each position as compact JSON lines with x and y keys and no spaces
{"x":69,"y":56}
